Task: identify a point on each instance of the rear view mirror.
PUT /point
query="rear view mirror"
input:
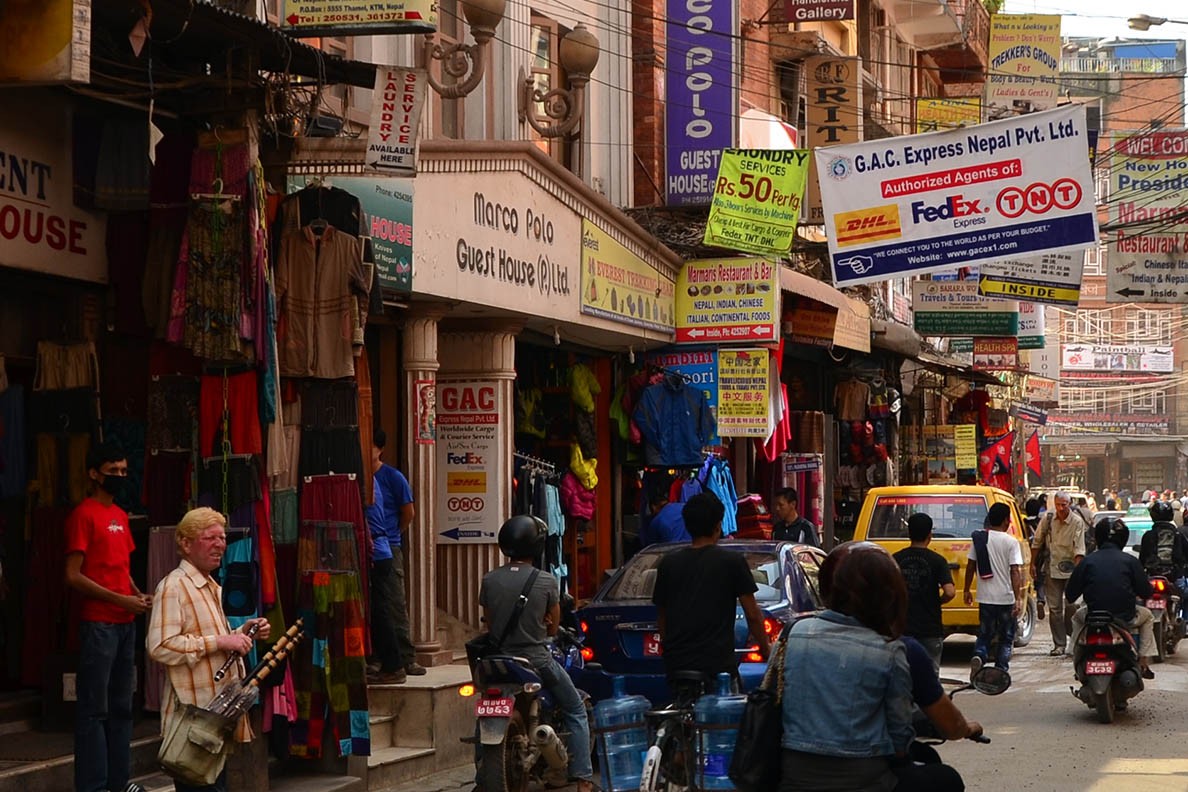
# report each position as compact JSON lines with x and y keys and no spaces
{"x":991,"y":681}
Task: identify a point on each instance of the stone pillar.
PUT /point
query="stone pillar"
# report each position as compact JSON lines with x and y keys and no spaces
{"x":419,"y":462}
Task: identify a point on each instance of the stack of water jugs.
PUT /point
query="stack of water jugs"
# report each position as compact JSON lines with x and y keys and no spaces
{"x":622,"y":724}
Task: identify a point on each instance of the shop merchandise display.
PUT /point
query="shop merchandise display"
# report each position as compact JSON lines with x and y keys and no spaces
{"x":675,"y":422}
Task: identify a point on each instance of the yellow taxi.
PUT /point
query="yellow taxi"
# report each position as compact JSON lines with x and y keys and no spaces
{"x":956,"y":511}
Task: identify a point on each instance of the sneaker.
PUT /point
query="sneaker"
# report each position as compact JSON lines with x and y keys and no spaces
{"x":975,"y":665}
{"x":387,"y":678}
{"x":133,"y":787}
{"x":415,"y":669}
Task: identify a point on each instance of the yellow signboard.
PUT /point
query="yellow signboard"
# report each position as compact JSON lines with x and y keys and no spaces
{"x":743,"y":402}
{"x":965,"y":441}
{"x":934,"y":114}
{"x":620,"y":286}
{"x":1024,"y":62}
{"x":357,"y":17}
{"x":1029,"y":292}
{"x":731,"y":299}
{"x":757,"y":200}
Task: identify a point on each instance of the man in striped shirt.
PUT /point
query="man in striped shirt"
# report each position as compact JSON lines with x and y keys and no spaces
{"x":188,"y":631}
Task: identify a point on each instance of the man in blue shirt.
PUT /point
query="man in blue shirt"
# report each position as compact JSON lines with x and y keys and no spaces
{"x":390,"y":625}
{"x":667,"y":524}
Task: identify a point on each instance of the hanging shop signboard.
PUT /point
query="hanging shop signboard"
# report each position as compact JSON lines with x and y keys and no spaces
{"x":620,"y":286}
{"x":995,"y":354}
{"x":40,"y":227}
{"x":934,"y":114}
{"x":1106,"y":423}
{"x":757,"y":200}
{"x":1041,"y":390}
{"x":699,"y":366}
{"x":1118,"y":357}
{"x":954,"y":308}
{"x":1147,"y":255}
{"x":1053,"y":278}
{"x":920,"y":203}
{"x":724,"y":300}
{"x":700,"y":88}
{"x":1029,"y":413}
{"x":45,"y":41}
{"x":818,"y":10}
{"x":304,"y":18}
{"x":965,"y":446}
{"x":387,"y":205}
{"x":396,"y":106}
{"x":1024,"y":62}
{"x":743,"y":391}
{"x":833,"y":112}
{"x":471,"y":478}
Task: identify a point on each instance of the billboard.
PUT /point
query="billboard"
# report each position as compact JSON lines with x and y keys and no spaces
{"x":303,"y":18}
{"x":1124,"y":357}
{"x":1024,"y":62}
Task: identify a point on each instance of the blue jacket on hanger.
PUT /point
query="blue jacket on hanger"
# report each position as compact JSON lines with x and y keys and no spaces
{"x":675,"y":422}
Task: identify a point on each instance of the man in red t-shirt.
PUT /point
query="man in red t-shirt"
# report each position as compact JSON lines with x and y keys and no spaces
{"x":98,"y":547}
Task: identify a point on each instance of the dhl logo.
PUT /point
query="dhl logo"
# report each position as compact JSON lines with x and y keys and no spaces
{"x":867,"y":225}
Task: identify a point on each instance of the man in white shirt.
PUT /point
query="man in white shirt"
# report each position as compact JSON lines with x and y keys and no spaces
{"x":996,"y":557}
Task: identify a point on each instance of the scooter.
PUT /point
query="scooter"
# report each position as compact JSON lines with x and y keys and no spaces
{"x":1106,"y":663}
{"x":1164,"y":604}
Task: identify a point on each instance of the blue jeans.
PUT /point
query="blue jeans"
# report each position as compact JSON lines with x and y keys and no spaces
{"x":573,"y":717}
{"x":220,"y":785}
{"x":996,"y":621}
{"x":103,"y":720}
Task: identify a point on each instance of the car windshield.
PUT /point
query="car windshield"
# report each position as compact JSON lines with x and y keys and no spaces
{"x":953,"y":516}
{"x":639,"y":577}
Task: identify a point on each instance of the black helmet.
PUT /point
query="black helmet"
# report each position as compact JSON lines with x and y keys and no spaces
{"x":1161,"y":511}
{"x":1113,"y":531}
{"x":523,"y":536}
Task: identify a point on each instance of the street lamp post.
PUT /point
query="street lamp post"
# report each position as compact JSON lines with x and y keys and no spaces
{"x":483,"y":16}
{"x":1146,"y":22}
{"x":578,"y":54}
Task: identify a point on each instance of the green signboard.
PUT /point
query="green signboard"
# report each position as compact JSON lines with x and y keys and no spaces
{"x":957,"y":323}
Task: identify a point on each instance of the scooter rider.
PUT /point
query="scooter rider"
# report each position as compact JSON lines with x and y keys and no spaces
{"x":1111,"y":580}
{"x":522,"y":540}
{"x":1164,"y":549}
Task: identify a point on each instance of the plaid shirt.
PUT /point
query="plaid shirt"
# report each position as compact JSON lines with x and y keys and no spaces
{"x":186,"y":620}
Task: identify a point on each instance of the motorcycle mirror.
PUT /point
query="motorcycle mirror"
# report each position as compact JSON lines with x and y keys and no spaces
{"x":991,"y":681}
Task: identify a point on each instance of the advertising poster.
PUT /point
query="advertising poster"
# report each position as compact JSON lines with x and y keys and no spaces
{"x":921,"y":203}
{"x":470,"y":469}
{"x":934,"y":114}
{"x":954,"y":308}
{"x":724,"y":300}
{"x":743,"y":392}
{"x":940,"y":451}
{"x":303,"y":18}
{"x":1148,"y":254}
{"x":425,"y":396}
{"x":1118,"y":357}
{"x":701,"y":102}
{"x":833,"y":115}
{"x":1053,"y":278}
{"x":965,"y":446}
{"x":757,"y":200}
{"x":700,"y":367}
{"x":1024,"y":62}
{"x":995,"y":354}
{"x":1041,"y":390}
{"x":395,"y":119}
{"x":620,"y":286}
{"x":45,"y":41}
{"x":1032,"y":326}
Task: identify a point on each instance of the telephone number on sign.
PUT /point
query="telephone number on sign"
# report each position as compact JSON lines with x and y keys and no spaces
{"x":465,"y":504}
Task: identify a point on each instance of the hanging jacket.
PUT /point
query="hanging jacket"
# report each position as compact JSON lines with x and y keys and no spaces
{"x":583,"y":387}
{"x":576,"y":500}
{"x":720,"y":481}
{"x":675,"y":421}
{"x":586,"y":470}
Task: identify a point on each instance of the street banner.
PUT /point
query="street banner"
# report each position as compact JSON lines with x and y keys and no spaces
{"x":833,"y":115}
{"x":469,"y":425}
{"x":395,"y":120}
{"x":1035,"y":467}
{"x":1024,"y":63}
{"x":1053,"y":278}
{"x":1107,"y":423}
{"x":935,"y":114}
{"x":965,"y":445}
{"x":700,"y":85}
{"x":995,"y":354}
{"x":757,"y":199}
{"x":620,"y":286}
{"x":954,"y":308}
{"x":994,"y":462}
{"x":743,"y":385}
{"x":915,"y":204}
{"x":305,"y":18}
{"x":725,"y":300}
{"x":1117,"y":357}
{"x":1029,"y":413}
{"x":1147,"y":256}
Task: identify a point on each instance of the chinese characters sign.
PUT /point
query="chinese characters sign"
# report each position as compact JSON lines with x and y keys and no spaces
{"x":743,"y":392}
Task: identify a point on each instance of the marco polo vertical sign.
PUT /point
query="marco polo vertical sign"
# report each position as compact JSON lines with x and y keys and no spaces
{"x":834,"y":115}
{"x":701,"y":96}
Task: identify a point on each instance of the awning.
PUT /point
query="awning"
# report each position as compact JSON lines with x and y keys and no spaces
{"x":851,"y":326}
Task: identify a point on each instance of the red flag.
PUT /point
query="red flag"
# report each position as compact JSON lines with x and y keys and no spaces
{"x":994,"y":462}
{"x":1032,"y":452}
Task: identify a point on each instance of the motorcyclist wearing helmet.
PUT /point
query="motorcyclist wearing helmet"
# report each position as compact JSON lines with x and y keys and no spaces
{"x":1111,"y":580}
{"x":522,"y":540}
{"x":1164,"y":550}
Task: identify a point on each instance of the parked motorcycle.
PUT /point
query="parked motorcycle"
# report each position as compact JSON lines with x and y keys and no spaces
{"x":1164,"y":604}
{"x":1106,"y":663}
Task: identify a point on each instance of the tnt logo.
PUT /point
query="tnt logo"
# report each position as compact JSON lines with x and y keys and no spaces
{"x":954,"y":206}
{"x":1039,"y":198}
{"x":468,"y":458}
{"x":867,"y":225}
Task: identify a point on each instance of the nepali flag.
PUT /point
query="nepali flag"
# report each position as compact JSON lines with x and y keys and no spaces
{"x":1032,"y":452}
{"x":994,"y":462}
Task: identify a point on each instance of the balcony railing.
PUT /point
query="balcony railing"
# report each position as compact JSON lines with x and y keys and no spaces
{"x":1121,"y":65}
{"x":975,"y":22}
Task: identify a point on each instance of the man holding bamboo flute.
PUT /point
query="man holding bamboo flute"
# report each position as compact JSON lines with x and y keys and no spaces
{"x":188,"y":631}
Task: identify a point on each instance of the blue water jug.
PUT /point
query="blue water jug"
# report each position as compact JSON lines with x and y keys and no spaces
{"x":717,"y":745}
{"x":622,"y":751}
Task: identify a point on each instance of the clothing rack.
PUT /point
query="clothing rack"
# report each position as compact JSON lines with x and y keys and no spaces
{"x":669,"y":372}
{"x":309,"y":479}
{"x":543,"y":465}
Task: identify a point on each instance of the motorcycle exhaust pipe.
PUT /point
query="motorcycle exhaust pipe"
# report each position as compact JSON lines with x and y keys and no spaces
{"x":550,"y":747}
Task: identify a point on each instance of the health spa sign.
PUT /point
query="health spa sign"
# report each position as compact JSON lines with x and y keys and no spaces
{"x":922,"y":203}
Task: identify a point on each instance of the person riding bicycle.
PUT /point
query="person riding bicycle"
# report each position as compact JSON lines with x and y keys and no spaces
{"x":522,"y":540}
{"x":698,"y":589}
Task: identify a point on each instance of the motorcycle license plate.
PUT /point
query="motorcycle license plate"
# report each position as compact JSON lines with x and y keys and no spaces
{"x":1155,"y":604}
{"x":1100,"y":667}
{"x":651,"y":645}
{"x":494,"y":708}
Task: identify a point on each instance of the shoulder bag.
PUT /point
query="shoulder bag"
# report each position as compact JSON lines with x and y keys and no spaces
{"x":485,"y":644}
{"x":758,"y":753}
{"x":195,"y":744}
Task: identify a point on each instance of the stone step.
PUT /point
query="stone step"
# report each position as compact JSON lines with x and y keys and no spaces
{"x":387,"y":767}
{"x":159,"y":782}
{"x":57,"y":774}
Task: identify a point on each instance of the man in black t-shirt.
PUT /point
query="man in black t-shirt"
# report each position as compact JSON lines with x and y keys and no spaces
{"x":697,"y":591}
{"x":929,"y":585}
{"x":790,"y":525}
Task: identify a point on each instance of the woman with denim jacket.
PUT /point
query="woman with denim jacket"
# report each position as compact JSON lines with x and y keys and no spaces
{"x":847,"y":707}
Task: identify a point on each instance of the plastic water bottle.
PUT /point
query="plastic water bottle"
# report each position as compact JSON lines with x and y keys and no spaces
{"x":622,"y":751}
{"x":717,"y":745}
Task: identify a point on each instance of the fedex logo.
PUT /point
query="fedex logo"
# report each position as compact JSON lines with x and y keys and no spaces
{"x":954,"y":206}
{"x":468,"y":458}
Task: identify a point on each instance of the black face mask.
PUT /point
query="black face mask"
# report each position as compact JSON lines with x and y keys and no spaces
{"x":114,"y":485}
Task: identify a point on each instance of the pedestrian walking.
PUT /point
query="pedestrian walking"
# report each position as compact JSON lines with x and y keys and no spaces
{"x":998,"y":562}
{"x":929,"y":586}
{"x":791,"y":526}
{"x":1061,"y":536}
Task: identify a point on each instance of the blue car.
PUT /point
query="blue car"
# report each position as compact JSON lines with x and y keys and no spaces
{"x":621,"y":634}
